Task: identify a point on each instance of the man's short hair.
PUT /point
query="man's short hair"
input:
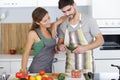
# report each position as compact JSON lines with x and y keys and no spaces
{"x":63,"y":3}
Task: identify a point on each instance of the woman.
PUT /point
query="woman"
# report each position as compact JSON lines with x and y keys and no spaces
{"x":41,"y":40}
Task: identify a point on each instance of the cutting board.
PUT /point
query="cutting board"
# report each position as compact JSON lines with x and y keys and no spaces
{"x":13,"y":35}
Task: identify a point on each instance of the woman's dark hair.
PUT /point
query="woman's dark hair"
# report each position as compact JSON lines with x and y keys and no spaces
{"x":63,"y":3}
{"x":37,"y":16}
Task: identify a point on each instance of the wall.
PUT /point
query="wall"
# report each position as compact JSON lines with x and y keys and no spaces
{"x":23,"y":14}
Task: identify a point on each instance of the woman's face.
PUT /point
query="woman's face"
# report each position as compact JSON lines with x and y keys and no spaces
{"x":46,"y":21}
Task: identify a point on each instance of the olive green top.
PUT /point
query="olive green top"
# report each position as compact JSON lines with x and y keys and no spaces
{"x":38,"y":46}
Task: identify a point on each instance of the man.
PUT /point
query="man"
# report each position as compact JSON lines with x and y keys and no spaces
{"x":81,"y":32}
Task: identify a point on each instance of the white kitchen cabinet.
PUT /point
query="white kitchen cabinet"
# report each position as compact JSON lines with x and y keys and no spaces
{"x":5,"y":65}
{"x":47,"y":3}
{"x":12,"y":66}
{"x":16,"y":66}
{"x":59,"y":66}
{"x":12,"y":63}
{"x":51,"y":3}
{"x":36,"y":3}
{"x":18,"y":3}
{"x":105,"y":66}
{"x":59,"y":63}
{"x":82,"y":2}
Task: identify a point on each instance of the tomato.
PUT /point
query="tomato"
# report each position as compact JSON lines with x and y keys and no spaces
{"x":26,"y":76}
{"x":49,"y":78}
{"x":19,"y":75}
{"x":42,"y":72}
{"x":56,"y":51}
{"x":44,"y":78}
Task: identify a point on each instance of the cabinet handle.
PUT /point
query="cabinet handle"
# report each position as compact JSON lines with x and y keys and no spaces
{"x":55,"y":60}
{"x":1,"y":67}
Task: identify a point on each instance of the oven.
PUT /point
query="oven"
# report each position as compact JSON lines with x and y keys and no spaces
{"x":108,"y":53}
{"x":111,"y":47}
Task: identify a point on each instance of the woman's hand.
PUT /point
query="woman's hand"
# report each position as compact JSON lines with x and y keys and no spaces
{"x":62,"y":47}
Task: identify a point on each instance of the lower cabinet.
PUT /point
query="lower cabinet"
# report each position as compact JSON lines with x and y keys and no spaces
{"x":11,"y":66}
{"x":4,"y":66}
{"x":16,"y":65}
{"x":105,"y":66}
{"x":59,"y":66}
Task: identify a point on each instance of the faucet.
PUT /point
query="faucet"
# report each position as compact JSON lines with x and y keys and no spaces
{"x":4,"y":76}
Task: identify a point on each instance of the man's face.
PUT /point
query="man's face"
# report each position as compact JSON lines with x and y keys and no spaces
{"x":69,"y":11}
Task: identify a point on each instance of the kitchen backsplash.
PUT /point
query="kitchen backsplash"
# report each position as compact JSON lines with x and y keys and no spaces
{"x":13,"y":36}
{"x":23,"y":14}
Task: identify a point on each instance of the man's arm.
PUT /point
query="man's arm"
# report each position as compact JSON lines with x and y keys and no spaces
{"x":96,"y":43}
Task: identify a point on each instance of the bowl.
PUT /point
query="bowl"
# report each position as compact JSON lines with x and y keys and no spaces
{"x":11,"y":51}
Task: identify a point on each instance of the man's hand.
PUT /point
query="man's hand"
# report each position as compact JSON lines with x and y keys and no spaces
{"x":79,"y":49}
{"x":62,"y":47}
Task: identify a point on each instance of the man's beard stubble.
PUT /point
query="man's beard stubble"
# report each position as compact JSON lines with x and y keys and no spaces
{"x":71,"y":16}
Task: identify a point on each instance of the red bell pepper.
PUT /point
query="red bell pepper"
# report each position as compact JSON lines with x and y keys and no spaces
{"x":21,"y":75}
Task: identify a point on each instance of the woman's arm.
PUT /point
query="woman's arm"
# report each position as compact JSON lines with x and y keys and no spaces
{"x":56,"y":24}
{"x":25,"y":56}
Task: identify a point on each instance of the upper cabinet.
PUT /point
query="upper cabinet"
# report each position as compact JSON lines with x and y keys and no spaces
{"x":47,"y":3}
{"x":82,"y":2}
{"x":51,"y":3}
{"x":18,"y":3}
{"x":35,"y":3}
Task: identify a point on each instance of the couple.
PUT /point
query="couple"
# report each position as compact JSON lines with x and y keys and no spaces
{"x":75,"y":29}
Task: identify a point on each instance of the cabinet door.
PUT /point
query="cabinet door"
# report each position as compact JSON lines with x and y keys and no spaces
{"x":59,"y":67}
{"x":16,"y":66}
{"x":82,"y":2}
{"x":5,"y":65}
{"x":51,"y":3}
{"x":18,"y":3}
{"x":47,"y":3}
{"x":105,"y":65}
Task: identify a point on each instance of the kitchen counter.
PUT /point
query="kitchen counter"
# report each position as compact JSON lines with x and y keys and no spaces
{"x":97,"y":76}
{"x":60,"y":56}
{"x":67,"y":78}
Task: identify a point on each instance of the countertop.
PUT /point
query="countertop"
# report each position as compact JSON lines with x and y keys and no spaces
{"x":67,"y":78}
{"x":59,"y":56}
